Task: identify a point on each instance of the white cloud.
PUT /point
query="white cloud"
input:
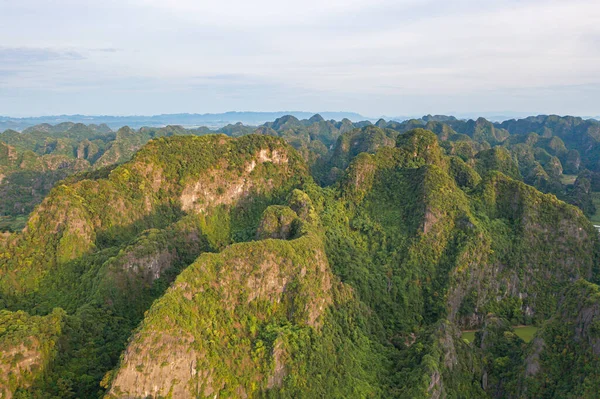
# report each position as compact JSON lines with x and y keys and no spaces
{"x":366,"y":56}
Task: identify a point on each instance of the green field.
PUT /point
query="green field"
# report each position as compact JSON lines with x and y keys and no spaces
{"x":12,"y":223}
{"x":568,"y":179}
{"x":526,"y":333}
{"x":595,"y":219}
{"x":469,"y":336}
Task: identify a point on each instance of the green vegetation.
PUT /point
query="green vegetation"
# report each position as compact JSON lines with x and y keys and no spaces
{"x":285,"y":340}
{"x":563,"y":359}
{"x":468,"y":335}
{"x":568,"y":179}
{"x":29,"y":343}
{"x":526,"y":333}
{"x":541,"y":146}
{"x":595,"y":218}
{"x":12,"y":223}
{"x":312,"y":259}
{"x":118,"y":259}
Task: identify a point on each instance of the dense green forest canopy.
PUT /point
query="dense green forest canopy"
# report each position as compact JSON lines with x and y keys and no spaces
{"x":301,"y":258}
{"x":558,"y":155}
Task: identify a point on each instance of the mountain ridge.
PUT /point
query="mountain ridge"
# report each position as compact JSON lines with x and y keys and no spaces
{"x":213,"y":120}
{"x":196,"y":244}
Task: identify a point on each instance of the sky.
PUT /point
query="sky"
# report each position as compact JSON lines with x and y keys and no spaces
{"x":375,"y":57}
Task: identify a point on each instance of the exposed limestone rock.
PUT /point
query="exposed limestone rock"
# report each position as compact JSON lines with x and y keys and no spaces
{"x":266,"y":279}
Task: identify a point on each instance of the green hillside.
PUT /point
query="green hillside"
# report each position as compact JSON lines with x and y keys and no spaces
{"x":311,"y":259}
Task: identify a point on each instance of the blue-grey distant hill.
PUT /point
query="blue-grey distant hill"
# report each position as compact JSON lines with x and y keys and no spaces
{"x":186,"y":120}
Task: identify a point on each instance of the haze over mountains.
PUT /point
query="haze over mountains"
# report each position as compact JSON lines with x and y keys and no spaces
{"x":186,"y":120}
{"x":217,"y":120}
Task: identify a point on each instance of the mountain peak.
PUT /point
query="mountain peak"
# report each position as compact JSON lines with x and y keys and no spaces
{"x":316,"y":118}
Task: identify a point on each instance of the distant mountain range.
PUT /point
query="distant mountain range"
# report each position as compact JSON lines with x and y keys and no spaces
{"x":496,"y":117}
{"x":186,"y":120}
{"x":216,"y":121}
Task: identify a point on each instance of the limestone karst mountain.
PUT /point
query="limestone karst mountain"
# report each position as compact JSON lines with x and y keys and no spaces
{"x":207,"y":265}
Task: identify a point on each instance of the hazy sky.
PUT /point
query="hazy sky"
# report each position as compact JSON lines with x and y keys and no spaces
{"x":376,"y":57}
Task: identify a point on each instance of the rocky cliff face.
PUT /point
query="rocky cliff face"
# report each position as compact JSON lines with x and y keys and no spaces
{"x":437,"y":249}
{"x":257,"y":282}
{"x":223,"y":327}
{"x":534,"y":246}
{"x":28,"y":345}
{"x":497,"y":245}
{"x":203,"y":338}
{"x":179,"y":174}
{"x":114,"y":242}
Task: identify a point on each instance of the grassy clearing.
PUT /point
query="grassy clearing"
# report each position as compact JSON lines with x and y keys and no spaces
{"x":469,"y":335}
{"x":595,"y":219}
{"x":526,"y":333}
{"x":12,"y":223}
{"x":568,"y":179}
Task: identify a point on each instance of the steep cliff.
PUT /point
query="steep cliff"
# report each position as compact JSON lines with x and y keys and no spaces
{"x":29,"y":344}
{"x":105,"y":247}
{"x":166,"y":178}
{"x":258,"y":318}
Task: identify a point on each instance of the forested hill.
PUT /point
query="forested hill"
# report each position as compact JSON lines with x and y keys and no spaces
{"x":557,"y":155}
{"x":301,"y":258}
